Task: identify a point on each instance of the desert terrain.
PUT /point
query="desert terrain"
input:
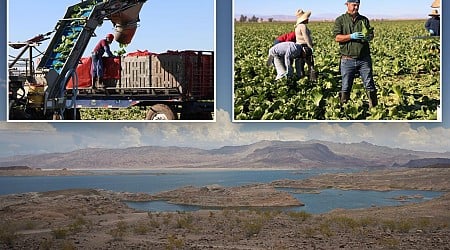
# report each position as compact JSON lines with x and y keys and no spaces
{"x":232,"y":218}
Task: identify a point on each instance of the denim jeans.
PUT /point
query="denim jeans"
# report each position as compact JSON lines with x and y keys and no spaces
{"x":280,"y":67}
{"x":349,"y":68}
{"x":97,"y":66}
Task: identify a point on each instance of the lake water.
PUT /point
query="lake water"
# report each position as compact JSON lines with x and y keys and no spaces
{"x":154,"y":182}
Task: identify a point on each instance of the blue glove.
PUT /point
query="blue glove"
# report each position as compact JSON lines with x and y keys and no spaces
{"x":356,"y":36}
{"x":431,"y":32}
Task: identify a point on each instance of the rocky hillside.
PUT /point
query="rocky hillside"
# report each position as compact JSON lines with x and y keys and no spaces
{"x":264,"y":154}
{"x":428,"y":162}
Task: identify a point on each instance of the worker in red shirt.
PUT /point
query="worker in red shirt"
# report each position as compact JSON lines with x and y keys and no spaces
{"x":97,"y":63}
{"x":288,"y":37}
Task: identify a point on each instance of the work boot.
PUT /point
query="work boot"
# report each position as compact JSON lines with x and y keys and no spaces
{"x":301,"y":73}
{"x":299,"y":67}
{"x":302,"y":67}
{"x":373,"y":99}
{"x":94,"y":82}
{"x":312,"y":74}
{"x":100,"y":83}
{"x":344,"y":97}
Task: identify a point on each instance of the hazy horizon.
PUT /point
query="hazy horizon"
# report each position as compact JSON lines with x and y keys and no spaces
{"x":321,"y":17}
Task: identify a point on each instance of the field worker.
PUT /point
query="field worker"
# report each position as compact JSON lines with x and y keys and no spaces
{"x":282,"y":56}
{"x":355,"y":52}
{"x":433,"y":24}
{"x":288,"y":37}
{"x":303,"y":37}
{"x":97,"y":63}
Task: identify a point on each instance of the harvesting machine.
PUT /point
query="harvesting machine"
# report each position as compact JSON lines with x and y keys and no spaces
{"x":172,"y":85}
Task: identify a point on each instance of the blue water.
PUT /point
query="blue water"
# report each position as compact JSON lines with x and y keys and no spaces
{"x":325,"y":201}
{"x":147,"y":181}
{"x":154,"y":182}
{"x":330,"y":199}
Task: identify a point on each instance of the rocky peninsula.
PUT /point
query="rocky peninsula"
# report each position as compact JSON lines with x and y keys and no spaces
{"x":99,"y":219}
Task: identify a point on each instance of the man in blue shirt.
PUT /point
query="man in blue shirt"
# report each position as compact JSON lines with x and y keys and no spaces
{"x":433,"y":24}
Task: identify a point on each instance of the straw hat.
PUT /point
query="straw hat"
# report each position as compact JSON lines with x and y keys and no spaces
{"x":436,"y":4}
{"x":434,"y":13}
{"x":302,"y":16}
{"x":299,"y":13}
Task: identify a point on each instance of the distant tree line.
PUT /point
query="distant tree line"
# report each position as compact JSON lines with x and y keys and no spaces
{"x":253,"y":19}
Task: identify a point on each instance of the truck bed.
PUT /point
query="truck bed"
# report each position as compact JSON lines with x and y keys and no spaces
{"x":186,"y":75}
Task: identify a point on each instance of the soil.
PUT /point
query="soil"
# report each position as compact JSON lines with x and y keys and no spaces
{"x":255,"y":195}
{"x":99,"y":219}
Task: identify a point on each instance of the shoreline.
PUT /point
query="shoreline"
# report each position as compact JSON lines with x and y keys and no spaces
{"x":96,"y":172}
{"x":91,"y":219}
{"x":115,"y":171}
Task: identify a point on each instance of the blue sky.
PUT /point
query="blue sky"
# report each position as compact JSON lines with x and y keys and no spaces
{"x":31,"y":138}
{"x":165,"y":25}
{"x":332,"y":8}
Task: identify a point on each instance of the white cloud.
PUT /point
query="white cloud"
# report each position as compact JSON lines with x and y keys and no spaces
{"x":395,"y":135}
{"x":20,"y":127}
{"x":31,"y":138}
{"x":426,"y":139}
{"x":224,"y":132}
{"x":195,"y":134}
{"x":130,"y":137}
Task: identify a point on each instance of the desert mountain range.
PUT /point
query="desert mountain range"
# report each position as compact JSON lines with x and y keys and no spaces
{"x":263,"y":154}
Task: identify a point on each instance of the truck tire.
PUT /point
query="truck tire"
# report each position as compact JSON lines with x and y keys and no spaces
{"x":160,"y":112}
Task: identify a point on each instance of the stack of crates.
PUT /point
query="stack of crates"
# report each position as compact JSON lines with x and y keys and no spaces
{"x":186,"y":73}
{"x":135,"y":72}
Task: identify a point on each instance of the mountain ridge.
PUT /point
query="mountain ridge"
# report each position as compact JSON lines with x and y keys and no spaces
{"x":262,"y":154}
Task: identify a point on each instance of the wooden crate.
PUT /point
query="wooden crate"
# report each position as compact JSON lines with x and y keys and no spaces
{"x":167,"y":71}
{"x":135,"y":72}
{"x":188,"y":73}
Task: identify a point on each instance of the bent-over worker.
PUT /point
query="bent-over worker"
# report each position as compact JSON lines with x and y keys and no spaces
{"x":282,"y":56}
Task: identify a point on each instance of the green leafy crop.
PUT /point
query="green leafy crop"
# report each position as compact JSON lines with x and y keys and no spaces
{"x":121,"y":50}
{"x":367,"y":31}
{"x":406,"y":72}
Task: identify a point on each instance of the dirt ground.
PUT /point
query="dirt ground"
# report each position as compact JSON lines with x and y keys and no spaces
{"x":98,"y":219}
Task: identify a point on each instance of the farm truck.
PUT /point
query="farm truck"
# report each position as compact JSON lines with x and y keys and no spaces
{"x":172,"y":85}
